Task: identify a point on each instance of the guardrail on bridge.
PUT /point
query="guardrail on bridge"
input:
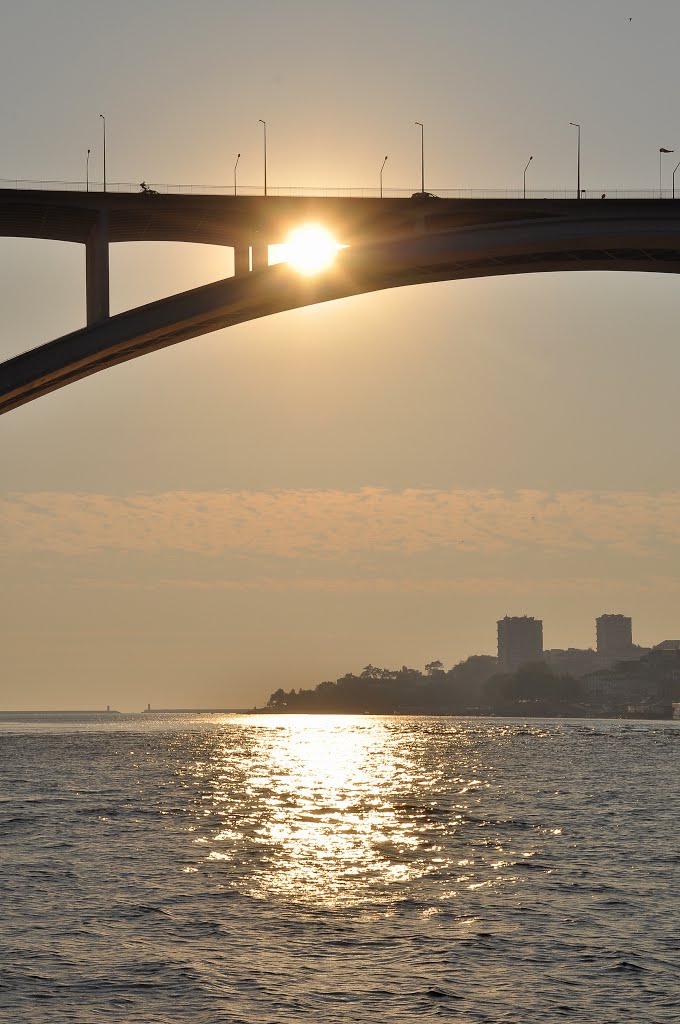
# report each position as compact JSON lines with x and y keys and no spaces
{"x":29,"y":184}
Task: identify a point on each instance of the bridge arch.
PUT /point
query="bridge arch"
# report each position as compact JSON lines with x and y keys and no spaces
{"x":442,"y":245}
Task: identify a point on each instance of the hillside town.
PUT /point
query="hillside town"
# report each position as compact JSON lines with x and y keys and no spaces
{"x":616,"y":678}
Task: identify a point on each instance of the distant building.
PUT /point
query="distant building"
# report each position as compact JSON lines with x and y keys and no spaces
{"x":614,"y":635}
{"x":663,"y":664}
{"x":651,"y":681}
{"x":520,"y":641}
{"x":667,"y":645}
{"x":616,"y":689}
{"x":574,"y":661}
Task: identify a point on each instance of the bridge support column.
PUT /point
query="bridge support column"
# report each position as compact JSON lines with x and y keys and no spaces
{"x":260,"y":255}
{"x":241,"y":260}
{"x":97,"y":270}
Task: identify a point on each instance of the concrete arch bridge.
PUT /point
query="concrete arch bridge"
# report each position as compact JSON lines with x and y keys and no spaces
{"x":390,"y":243}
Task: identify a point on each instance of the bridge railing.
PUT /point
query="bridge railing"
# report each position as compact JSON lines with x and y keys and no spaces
{"x":29,"y":184}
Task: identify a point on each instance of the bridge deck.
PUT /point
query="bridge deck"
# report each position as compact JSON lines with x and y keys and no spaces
{"x":240,"y":220}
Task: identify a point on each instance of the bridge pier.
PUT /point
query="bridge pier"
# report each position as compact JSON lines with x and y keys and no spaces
{"x":260,"y":255}
{"x":241,"y":260}
{"x":97,"y":270}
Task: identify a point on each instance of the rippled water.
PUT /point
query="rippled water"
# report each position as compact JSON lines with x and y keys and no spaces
{"x":273,"y":869}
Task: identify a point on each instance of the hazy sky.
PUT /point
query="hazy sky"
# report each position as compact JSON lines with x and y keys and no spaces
{"x":373,"y":480}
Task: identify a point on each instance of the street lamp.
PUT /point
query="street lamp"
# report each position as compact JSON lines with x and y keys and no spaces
{"x":104,"y":130}
{"x":578,"y":160}
{"x":525,"y":176}
{"x":87,"y":172}
{"x":264,"y":129}
{"x":422,"y":156}
{"x":381,"y":170}
{"x":238,"y":157}
{"x":661,"y":153}
{"x":674,"y":170}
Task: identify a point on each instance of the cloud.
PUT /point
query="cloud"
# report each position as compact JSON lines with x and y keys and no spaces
{"x":334,"y":525}
{"x":469,"y":585}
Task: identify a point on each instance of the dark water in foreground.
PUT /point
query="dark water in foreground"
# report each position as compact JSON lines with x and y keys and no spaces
{"x":263,"y":869}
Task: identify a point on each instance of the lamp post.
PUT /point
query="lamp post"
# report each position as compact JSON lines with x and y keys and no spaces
{"x":661,"y":153}
{"x":578,"y":159}
{"x":525,"y":176}
{"x":381,"y":172}
{"x":674,"y":170}
{"x":238,"y":157}
{"x":264,"y":130}
{"x":87,"y":172}
{"x":422,"y":156}
{"x":104,"y":130}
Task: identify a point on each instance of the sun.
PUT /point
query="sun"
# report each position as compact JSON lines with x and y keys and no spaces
{"x":310,"y":249}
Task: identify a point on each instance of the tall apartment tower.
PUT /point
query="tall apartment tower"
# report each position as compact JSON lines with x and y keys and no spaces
{"x":520,"y":640}
{"x":614,"y":634}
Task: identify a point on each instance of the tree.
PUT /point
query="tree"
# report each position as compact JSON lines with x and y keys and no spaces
{"x":468,"y":678}
{"x":371,"y":672}
{"x":534,"y":684}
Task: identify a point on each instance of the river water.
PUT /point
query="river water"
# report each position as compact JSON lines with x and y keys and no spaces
{"x":341,"y":869}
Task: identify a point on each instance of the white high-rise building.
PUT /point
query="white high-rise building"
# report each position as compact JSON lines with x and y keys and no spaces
{"x":614,"y":634}
{"x":520,"y":641}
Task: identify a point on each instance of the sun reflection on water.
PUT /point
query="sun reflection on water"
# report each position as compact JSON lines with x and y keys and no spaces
{"x":325,"y":826}
{"x":336,"y":810}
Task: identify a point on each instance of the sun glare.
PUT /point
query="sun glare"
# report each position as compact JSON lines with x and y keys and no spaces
{"x":310,"y":249}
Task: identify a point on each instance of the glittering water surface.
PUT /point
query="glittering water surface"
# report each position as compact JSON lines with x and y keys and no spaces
{"x":273,"y":869}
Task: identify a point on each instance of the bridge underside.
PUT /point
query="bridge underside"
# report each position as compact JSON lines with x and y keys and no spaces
{"x":481,"y":250}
